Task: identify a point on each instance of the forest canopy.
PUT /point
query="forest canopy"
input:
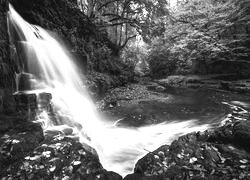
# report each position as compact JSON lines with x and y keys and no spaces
{"x":183,"y":38}
{"x":125,"y":19}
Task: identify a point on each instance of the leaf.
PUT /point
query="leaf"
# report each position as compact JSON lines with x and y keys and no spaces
{"x":52,"y":169}
{"x":179,"y":156}
{"x":243,"y":161}
{"x":192,"y":160}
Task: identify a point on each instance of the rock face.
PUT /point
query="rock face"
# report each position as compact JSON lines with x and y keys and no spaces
{"x":4,"y":51}
{"x":7,"y":65}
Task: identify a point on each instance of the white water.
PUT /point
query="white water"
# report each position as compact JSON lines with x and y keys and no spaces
{"x":117,"y":147}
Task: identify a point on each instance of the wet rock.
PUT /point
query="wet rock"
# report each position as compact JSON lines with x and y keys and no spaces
{"x":109,"y":175}
{"x":224,"y":85}
{"x":58,"y":130}
{"x":156,"y":87}
{"x":25,"y":82}
{"x":136,"y":176}
{"x":241,"y":132}
{"x":26,"y":105}
{"x":7,"y":123}
{"x":220,"y":153}
{"x":44,"y":101}
{"x":57,"y":157}
{"x":25,"y":102}
{"x":19,"y":141}
{"x":6,"y":66}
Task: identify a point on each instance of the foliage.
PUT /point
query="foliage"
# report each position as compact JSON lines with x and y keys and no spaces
{"x":135,"y":55}
{"x":159,"y":60}
{"x":125,"y":19}
{"x":191,"y":34}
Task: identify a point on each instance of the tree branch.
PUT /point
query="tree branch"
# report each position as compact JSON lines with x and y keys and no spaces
{"x":126,"y":41}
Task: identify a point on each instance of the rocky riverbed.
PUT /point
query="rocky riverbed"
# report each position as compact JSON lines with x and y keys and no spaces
{"x":26,"y":152}
{"x":222,"y":152}
{"x":219,"y":153}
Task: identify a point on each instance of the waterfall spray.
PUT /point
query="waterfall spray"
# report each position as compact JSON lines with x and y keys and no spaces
{"x":55,"y":72}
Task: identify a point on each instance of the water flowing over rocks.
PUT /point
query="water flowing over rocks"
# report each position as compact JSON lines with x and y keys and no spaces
{"x":219,"y":153}
{"x":85,"y":42}
{"x":26,"y":152}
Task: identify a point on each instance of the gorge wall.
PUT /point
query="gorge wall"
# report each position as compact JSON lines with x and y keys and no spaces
{"x":4,"y":48}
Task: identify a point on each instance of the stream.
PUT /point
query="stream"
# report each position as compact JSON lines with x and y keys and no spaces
{"x":136,"y":119}
{"x":174,"y":112}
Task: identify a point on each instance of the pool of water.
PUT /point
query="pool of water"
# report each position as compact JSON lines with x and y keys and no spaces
{"x":148,"y":123}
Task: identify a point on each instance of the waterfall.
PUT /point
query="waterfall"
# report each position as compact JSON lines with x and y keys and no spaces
{"x":118,"y":147}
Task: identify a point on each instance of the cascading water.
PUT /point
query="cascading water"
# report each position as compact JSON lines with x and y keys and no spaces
{"x":117,"y":147}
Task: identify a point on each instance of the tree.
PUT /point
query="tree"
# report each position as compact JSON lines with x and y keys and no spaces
{"x":126,"y":19}
{"x":192,"y":34}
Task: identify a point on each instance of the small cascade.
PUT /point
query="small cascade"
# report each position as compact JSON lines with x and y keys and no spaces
{"x":55,"y":79}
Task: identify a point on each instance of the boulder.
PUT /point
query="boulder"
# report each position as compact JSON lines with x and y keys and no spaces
{"x":20,"y":139}
{"x":241,"y":132}
{"x":189,"y":157}
{"x":58,"y":157}
{"x":219,"y":153}
{"x":26,"y":105}
{"x":44,"y":101}
{"x":25,"y":82}
{"x":109,"y":175}
{"x":137,"y":176}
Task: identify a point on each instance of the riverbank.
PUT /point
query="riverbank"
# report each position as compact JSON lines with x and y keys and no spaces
{"x":220,"y":152}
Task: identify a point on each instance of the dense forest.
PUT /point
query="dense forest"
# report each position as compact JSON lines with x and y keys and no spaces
{"x":99,"y":89}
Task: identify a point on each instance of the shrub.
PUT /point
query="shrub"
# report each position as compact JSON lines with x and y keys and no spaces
{"x":161,"y":64}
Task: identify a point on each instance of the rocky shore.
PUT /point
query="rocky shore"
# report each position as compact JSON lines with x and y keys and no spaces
{"x":28,"y":152}
{"x":219,"y":153}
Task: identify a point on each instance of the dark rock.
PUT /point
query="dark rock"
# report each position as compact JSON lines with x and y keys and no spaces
{"x":26,"y":105}
{"x":133,"y":177}
{"x":25,"y":82}
{"x":136,"y":176}
{"x":7,"y":67}
{"x":156,"y":87}
{"x":58,"y":156}
{"x":109,"y":175}
{"x":224,"y":85}
{"x":18,"y":142}
{"x":209,"y":155}
{"x":24,"y":101}
{"x":50,"y":134}
{"x":241,"y":133}
{"x":44,"y":101}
